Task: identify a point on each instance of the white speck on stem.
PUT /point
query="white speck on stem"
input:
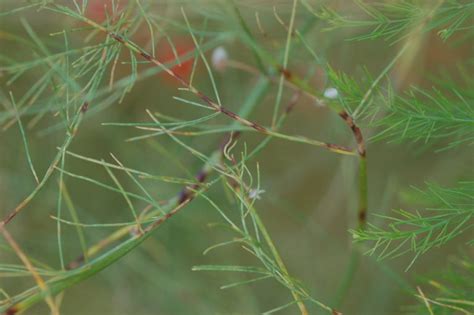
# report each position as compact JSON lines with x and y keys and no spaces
{"x":255,"y":193}
{"x":219,"y":58}
{"x":331,"y":93}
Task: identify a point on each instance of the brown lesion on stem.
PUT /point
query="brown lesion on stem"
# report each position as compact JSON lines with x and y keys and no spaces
{"x":244,"y":121}
{"x":145,"y":55}
{"x":117,"y":37}
{"x":355,"y":131}
{"x":188,"y":192}
{"x":361,"y":150}
{"x":293,"y":101}
{"x":168,"y":215}
{"x":362,"y":215}
{"x":12,"y":214}
{"x":210,"y":102}
{"x":335,"y":147}
{"x":285,"y":72}
{"x":84,"y":107}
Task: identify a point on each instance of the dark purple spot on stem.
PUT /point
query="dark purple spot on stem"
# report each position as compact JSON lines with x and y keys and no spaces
{"x":183,"y":195}
{"x":85,"y":107}
{"x":201,"y":176}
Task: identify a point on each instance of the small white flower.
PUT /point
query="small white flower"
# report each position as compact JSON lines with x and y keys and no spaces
{"x":255,"y":193}
{"x":219,"y":58}
{"x":331,"y":93}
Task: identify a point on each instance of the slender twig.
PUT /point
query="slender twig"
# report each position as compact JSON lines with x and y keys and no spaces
{"x":299,"y":297}
{"x":25,"y":142}
{"x":284,"y":64}
{"x":29,"y":266}
{"x":258,"y":92}
{"x":425,"y":300}
{"x":361,"y":150}
{"x":73,"y":130}
{"x":295,"y":83}
{"x":299,"y":294}
{"x":59,"y":284}
{"x":186,"y":195}
{"x":210,"y":103}
{"x":258,"y":58}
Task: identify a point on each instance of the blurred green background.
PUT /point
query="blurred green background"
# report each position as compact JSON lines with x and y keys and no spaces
{"x":310,"y":197}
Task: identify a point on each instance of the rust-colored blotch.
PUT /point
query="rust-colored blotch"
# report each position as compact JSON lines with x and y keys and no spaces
{"x":165,"y":54}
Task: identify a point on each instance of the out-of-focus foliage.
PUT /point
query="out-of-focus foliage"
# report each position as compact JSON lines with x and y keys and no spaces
{"x":139,"y":133}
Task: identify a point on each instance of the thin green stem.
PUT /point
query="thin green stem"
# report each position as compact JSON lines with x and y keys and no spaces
{"x":25,"y":141}
{"x":284,"y":64}
{"x":279,"y":260}
{"x":347,"y":278}
{"x":73,"y":129}
{"x":248,"y":33}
